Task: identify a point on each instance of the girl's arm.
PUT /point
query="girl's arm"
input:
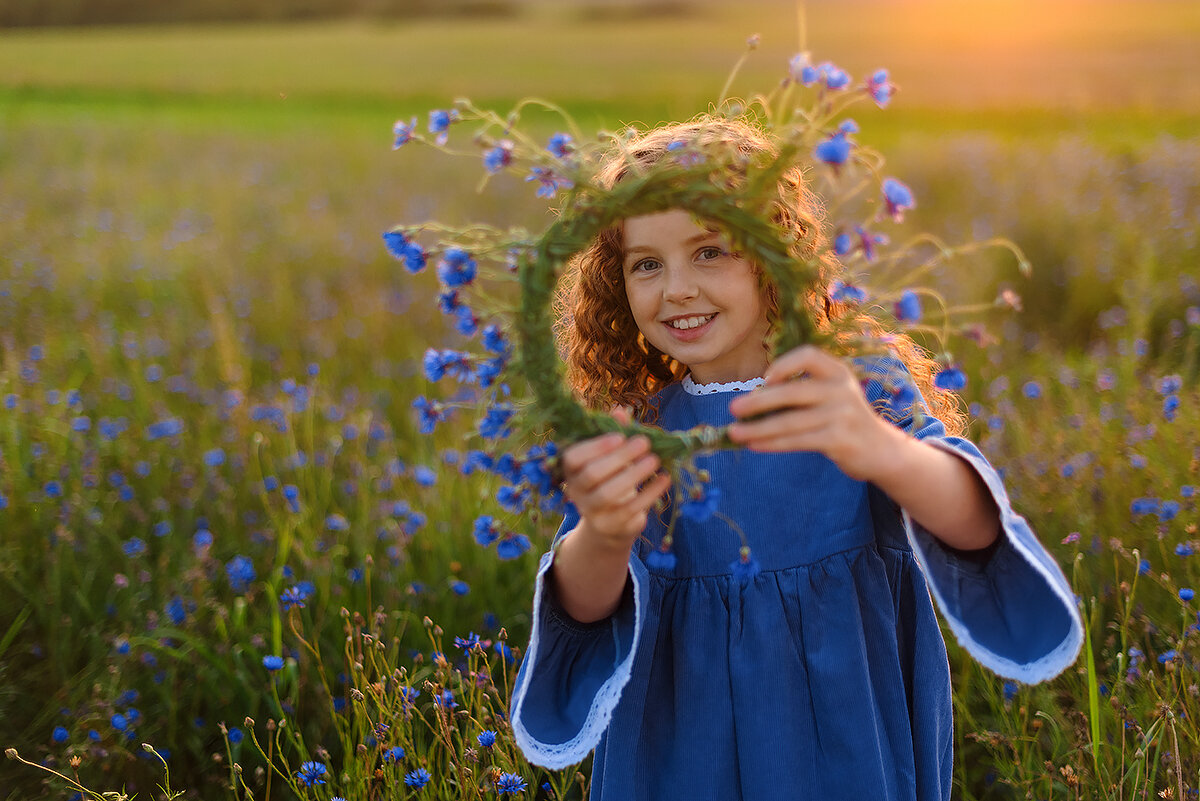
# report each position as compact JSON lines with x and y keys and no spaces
{"x":826,"y":411}
{"x":611,"y":480}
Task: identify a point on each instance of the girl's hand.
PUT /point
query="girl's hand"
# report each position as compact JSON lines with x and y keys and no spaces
{"x":611,"y":480}
{"x":816,"y":403}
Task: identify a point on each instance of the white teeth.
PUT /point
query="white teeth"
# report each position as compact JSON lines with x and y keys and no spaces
{"x":685,"y":323}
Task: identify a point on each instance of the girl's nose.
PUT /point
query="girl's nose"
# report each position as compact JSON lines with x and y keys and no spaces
{"x":680,"y":284}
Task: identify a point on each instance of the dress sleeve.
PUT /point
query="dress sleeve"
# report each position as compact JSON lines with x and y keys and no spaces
{"x":572,"y":674}
{"x":1009,"y":605}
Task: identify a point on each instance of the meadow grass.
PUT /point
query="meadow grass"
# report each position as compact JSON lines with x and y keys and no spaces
{"x":197,"y":314}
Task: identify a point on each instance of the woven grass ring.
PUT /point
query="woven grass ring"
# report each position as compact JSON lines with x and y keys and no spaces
{"x":741,"y":210}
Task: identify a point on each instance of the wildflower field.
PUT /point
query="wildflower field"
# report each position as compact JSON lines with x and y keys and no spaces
{"x":224,"y":536}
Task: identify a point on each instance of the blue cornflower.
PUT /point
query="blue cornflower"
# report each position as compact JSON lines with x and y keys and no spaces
{"x":475,"y":460}
{"x":486,"y":530}
{"x":393,"y":754}
{"x":1187,"y":491}
{"x":835,"y":150}
{"x":134,"y":546}
{"x":512,"y":546}
{"x":465,"y":321}
{"x":1010,"y":690}
{"x":848,"y":126}
{"x":1166,"y":657}
{"x":660,"y":559}
{"x":240,"y":571}
{"x":81,"y":424}
{"x":1168,"y":510}
{"x":176,"y":611}
{"x":60,"y":734}
{"x":503,"y":651}
{"x":561,"y":145}
{"x":170,"y":427}
{"x":439,"y":123}
{"x":1170,"y":407}
{"x":429,"y":414}
{"x":404,"y":249}
{"x":880,"y":88}
{"x":236,"y":735}
{"x":459,"y":587}
{"x":512,"y":499}
{"x":495,"y":425}
{"x":292,"y":597}
{"x":273,"y":663}
{"x":403,"y":133}
{"x":1032,"y":390}
{"x":843,"y":244}
{"x":494,"y":340}
{"x":409,"y":695}
{"x":898,"y":198}
{"x":1170,"y":384}
{"x":835,"y":77}
{"x":701,"y":504}
{"x":417,"y":778}
{"x":311,"y":773}
{"x":486,"y":738}
{"x":337,"y":522}
{"x":908,"y":308}
{"x":498,"y":157}
{"x":424,"y":476}
{"x":1145,"y":506}
{"x":291,"y":494}
{"x":745,"y":567}
{"x":847,"y":293}
{"x":456,"y":268}
{"x":1186,"y":594}
{"x":53,"y":489}
{"x":1144,"y":567}
{"x":214,"y":457}
{"x":549,"y":182}
{"x":489,"y":370}
{"x":468,"y":642}
{"x":119,"y":722}
{"x":510,"y":784}
{"x":950,"y":378}
{"x":801,"y":71}
{"x":445,"y":699}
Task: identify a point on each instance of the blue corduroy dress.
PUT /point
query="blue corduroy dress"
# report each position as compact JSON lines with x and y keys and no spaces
{"x":825,"y":675}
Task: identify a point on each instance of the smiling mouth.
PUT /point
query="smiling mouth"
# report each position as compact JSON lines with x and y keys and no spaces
{"x":687,"y":323}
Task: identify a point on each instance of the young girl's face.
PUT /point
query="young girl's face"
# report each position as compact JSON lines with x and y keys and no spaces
{"x":693,"y":299}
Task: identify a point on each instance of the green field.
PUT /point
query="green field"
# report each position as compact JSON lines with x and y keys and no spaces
{"x":190,"y":224}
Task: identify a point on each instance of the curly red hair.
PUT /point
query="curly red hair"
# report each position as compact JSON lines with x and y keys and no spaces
{"x":608,"y":360}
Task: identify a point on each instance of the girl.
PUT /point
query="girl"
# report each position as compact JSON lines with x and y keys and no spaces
{"x":824,"y":674}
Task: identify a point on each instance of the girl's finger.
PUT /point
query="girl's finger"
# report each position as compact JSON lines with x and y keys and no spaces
{"x":594,"y":465}
{"x":777,"y":427}
{"x":577,"y":456}
{"x":805,"y":359}
{"x":611,"y":477}
{"x":790,"y":394}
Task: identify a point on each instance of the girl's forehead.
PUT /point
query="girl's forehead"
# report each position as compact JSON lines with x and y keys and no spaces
{"x":665,"y":227}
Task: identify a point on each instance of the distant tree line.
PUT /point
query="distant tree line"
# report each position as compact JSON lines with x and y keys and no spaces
{"x":19,"y":13}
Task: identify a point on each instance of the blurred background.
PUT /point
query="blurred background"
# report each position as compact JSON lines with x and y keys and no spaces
{"x":191,"y":200}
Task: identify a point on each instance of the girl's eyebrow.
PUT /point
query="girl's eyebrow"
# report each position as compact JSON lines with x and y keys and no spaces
{"x":691,"y":240}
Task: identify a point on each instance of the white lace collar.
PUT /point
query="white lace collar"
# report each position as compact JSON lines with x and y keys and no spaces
{"x":692,"y":388}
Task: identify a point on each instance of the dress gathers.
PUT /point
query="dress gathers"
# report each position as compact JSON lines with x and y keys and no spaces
{"x":825,"y":675}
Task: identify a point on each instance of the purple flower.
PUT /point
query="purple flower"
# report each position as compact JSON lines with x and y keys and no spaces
{"x":898,"y":197}
{"x":403,"y":133}
{"x":549,"y":182}
{"x":950,"y":378}
{"x":561,"y":145}
{"x":835,"y":150}
{"x":498,"y":157}
{"x":456,"y":268}
{"x":908,"y":308}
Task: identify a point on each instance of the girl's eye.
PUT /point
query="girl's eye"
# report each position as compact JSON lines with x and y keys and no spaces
{"x":710,"y":253}
{"x":645,"y":265}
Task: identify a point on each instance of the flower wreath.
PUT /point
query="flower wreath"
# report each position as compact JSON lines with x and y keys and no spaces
{"x":730,"y":190}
